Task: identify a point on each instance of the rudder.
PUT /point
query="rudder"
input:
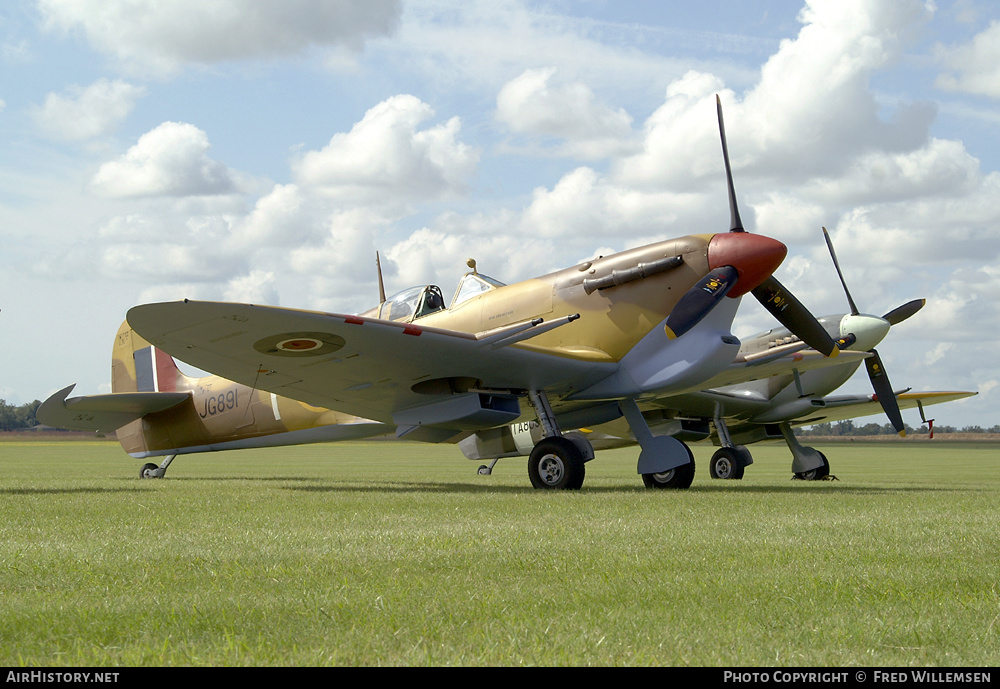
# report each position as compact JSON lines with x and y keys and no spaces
{"x":137,"y":366}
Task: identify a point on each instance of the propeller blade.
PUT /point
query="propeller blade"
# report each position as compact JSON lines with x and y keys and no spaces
{"x":897,"y":315}
{"x":846,"y":341}
{"x":876,"y":371}
{"x":901,"y":313}
{"x":790,"y":312}
{"x":699,"y":300}
{"x":883,"y":391}
{"x":836,"y":264}
{"x":775,"y":298}
{"x":735,"y":223}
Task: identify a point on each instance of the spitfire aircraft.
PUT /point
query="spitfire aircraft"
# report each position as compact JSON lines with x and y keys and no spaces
{"x":610,"y":340}
{"x":158,"y":411}
{"x":733,"y":416}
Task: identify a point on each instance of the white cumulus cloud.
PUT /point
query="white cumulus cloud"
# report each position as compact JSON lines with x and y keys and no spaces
{"x":257,"y":287}
{"x":85,"y":113}
{"x":170,"y":160}
{"x":975,"y":66}
{"x":531,"y":104}
{"x":386,"y":156}
{"x":163,"y":36}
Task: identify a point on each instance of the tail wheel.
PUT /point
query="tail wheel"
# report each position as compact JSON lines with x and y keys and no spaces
{"x":556,"y":464}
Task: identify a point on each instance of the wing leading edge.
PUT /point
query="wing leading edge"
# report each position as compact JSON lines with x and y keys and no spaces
{"x":382,"y":370}
{"x":843,"y":407}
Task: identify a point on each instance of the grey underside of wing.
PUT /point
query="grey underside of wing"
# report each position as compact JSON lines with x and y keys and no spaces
{"x":357,"y":365}
{"x":740,"y":372}
{"x":865,"y":406}
{"x":103,"y":413}
{"x":843,"y":407}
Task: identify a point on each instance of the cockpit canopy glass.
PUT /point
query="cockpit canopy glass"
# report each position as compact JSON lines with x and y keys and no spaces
{"x":474,"y":284}
{"x":401,"y":305}
{"x":419,"y":301}
{"x":412,"y":303}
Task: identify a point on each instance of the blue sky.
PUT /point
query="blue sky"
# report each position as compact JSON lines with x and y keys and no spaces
{"x":261,"y":151}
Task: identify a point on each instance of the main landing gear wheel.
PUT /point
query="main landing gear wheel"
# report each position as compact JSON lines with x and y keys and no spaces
{"x":728,"y":462}
{"x":817,"y":474}
{"x":678,"y":478}
{"x":556,"y":464}
{"x":150,"y":471}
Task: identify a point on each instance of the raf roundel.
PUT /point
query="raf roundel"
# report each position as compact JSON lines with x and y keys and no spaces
{"x":300,"y":344}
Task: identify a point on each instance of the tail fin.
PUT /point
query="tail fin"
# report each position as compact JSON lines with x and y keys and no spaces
{"x":137,"y":366}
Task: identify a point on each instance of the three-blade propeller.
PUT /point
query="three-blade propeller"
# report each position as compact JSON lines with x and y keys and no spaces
{"x":876,"y":371}
{"x":778,"y":301}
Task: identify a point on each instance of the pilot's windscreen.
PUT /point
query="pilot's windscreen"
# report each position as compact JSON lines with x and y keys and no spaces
{"x":402,"y":304}
{"x":473,"y":285}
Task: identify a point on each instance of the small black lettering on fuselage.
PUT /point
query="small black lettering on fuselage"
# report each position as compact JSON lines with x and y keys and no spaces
{"x":523,"y":426}
{"x":217,"y":404}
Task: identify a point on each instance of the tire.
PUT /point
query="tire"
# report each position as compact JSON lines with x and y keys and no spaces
{"x":679,"y":478}
{"x":817,"y":474}
{"x":556,"y":464}
{"x":148,"y":471}
{"x":727,"y":463}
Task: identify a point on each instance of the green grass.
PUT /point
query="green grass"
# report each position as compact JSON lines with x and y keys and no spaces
{"x":399,"y":554}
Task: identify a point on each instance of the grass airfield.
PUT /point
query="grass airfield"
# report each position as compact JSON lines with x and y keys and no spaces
{"x":400,"y":554}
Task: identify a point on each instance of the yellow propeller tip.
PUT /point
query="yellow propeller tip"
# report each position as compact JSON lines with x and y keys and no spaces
{"x":835,"y":352}
{"x":902,"y":433}
{"x":670,"y":333}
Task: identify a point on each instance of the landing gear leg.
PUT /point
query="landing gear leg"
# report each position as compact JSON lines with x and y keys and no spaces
{"x":730,"y":460}
{"x":808,"y":464}
{"x":664,"y":461}
{"x":557,"y":461}
{"x":485,"y":470}
{"x":156,"y":471}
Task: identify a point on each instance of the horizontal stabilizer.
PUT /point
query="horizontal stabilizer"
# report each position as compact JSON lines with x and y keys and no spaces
{"x":103,"y":413}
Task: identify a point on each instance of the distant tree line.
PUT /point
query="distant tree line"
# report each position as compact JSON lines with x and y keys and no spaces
{"x":848,"y":427}
{"x":17,"y":418}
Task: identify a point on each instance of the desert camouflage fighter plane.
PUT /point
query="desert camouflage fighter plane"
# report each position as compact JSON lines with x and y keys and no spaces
{"x":733,"y":416}
{"x":604,"y":340}
{"x":158,"y":411}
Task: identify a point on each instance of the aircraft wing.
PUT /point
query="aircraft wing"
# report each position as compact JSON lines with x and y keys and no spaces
{"x":841,"y":407}
{"x":103,"y":413}
{"x":401,"y":373}
{"x":755,"y":367}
